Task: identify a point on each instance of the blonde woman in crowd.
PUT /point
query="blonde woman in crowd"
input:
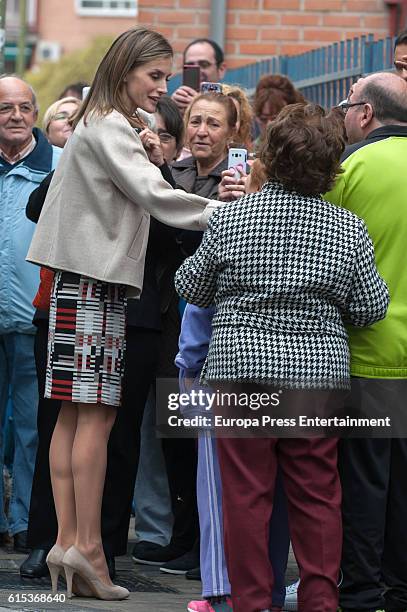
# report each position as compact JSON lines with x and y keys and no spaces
{"x":245,"y":115}
{"x":57,"y":120}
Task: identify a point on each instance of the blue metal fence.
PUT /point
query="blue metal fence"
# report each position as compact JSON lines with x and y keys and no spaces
{"x":324,"y":75}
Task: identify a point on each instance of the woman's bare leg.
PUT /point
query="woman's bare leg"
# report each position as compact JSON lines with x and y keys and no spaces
{"x":89,"y":456}
{"x":60,"y":459}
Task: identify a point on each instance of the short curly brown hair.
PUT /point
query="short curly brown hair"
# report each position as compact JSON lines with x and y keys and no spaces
{"x":303,"y":146}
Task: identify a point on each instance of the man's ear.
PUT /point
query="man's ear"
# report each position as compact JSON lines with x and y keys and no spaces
{"x":367,"y":116}
{"x":222,"y":70}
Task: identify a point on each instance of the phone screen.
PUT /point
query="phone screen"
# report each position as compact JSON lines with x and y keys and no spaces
{"x":191,"y":76}
{"x":237,"y":158}
{"x":211,"y":87}
{"x":85,"y":91}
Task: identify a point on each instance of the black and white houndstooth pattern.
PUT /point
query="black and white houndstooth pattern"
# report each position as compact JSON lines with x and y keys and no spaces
{"x":284,"y":271}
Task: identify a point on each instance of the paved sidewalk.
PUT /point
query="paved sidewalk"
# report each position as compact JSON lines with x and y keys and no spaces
{"x":150,"y":589}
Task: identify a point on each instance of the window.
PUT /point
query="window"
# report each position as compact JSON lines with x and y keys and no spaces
{"x":107,"y":8}
{"x":13,"y":13}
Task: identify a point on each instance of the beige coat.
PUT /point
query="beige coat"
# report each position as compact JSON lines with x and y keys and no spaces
{"x":96,"y":216}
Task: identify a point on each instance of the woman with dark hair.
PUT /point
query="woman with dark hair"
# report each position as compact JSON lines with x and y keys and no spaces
{"x":156,"y":514}
{"x":210,"y":126}
{"x":93,"y":232}
{"x":284,"y":269}
{"x":170,"y":128}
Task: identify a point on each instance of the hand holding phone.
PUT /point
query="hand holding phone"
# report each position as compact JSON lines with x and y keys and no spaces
{"x":191,"y":76}
{"x":237,"y":161}
{"x":183,"y":97}
{"x":231,"y":189}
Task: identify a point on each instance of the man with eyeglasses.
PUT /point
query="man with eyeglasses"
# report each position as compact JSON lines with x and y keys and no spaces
{"x":208,"y":55}
{"x":400,"y":55}
{"x":373,"y":470}
{"x":26,"y":158}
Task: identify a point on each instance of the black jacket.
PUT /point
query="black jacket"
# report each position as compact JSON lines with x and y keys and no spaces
{"x":185,"y":174}
{"x":375,"y":136}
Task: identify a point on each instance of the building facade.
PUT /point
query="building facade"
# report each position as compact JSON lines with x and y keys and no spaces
{"x":57,"y":27}
{"x":258,"y":29}
{"x":255,"y":29}
{"x":71,"y":24}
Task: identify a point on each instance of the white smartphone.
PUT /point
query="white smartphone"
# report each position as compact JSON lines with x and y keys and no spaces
{"x":237,"y":157}
{"x":85,"y":91}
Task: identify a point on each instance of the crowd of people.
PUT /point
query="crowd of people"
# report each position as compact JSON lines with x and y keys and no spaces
{"x":130,"y":253}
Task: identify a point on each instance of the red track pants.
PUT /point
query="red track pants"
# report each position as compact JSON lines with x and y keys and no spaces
{"x":248,"y":470}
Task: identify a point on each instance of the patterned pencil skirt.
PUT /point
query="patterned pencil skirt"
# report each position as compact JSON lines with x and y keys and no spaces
{"x":86,"y":342}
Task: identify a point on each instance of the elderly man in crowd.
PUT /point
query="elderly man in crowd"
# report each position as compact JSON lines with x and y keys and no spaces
{"x":25,"y":159}
{"x":373,"y":470}
{"x":400,"y":55}
{"x":208,"y":55}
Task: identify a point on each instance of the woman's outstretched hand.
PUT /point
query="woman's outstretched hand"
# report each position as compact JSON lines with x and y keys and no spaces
{"x":152,"y":145}
{"x":230,"y":188}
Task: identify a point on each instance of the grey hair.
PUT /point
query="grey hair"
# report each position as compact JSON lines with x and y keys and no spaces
{"x":16,"y":76}
{"x":389,"y":104}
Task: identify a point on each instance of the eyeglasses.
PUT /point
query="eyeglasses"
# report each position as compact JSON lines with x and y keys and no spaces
{"x":345,"y":106}
{"x":204,"y":64}
{"x":400,"y":65}
{"x":265,"y":118}
{"x":62,"y":116}
{"x":165,"y":137}
{"x":25,"y":108}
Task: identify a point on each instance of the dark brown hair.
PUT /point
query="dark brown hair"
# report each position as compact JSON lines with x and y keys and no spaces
{"x":130,"y":50}
{"x":217,"y":50}
{"x":303,"y":146}
{"x":401,"y":39}
{"x":278,"y":91}
{"x":172,"y":119}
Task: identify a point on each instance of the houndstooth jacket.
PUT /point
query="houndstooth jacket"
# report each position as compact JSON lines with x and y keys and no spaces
{"x":285,"y":271}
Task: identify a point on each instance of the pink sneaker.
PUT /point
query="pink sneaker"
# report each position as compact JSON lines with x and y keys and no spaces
{"x":198,"y":606}
{"x":205,"y":606}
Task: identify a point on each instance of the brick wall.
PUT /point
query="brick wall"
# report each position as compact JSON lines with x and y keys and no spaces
{"x":257,"y":29}
{"x":59,"y":21}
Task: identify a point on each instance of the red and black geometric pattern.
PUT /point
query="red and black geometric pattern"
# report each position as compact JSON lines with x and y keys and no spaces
{"x":86,"y":342}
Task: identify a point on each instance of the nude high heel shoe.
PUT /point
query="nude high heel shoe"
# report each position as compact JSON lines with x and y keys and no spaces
{"x":54,"y":562}
{"x":76,"y":564}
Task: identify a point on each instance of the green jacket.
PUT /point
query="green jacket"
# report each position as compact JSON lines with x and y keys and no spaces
{"x":374,"y":186}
